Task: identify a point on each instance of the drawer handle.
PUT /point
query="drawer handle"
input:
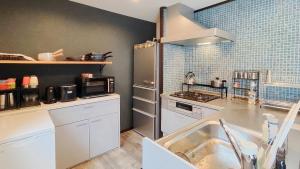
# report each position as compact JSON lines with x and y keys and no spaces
{"x":88,"y":107}
{"x":95,"y":121}
{"x":81,"y":125}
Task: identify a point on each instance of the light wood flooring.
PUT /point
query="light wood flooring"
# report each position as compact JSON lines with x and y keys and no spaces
{"x":128,"y":156}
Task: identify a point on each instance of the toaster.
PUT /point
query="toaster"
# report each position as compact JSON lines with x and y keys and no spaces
{"x":67,"y":93}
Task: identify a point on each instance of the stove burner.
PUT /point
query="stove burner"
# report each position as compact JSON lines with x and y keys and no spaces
{"x":195,"y":96}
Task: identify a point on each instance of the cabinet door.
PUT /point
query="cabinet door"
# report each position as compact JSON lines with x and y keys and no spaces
{"x":104,"y":134}
{"x":72,"y":144}
{"x":206,"y":112}
{"x":171,"y":121}
{"x":36,"y":152}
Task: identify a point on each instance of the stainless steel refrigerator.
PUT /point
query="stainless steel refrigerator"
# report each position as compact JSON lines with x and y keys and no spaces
{"x":146,"y":117}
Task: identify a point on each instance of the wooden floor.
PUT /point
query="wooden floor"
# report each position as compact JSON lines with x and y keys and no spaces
{"x":128,"y":156}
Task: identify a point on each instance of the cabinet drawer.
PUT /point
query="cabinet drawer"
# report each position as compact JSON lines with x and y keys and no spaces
{"x":68,"y":115}
{"x":82,"y":112}
{"x":144,"y":124}
{"x":144,"y":105}
{"x":144,"y":93}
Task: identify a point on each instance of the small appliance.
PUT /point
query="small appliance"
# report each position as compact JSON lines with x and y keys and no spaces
{"x":190,"y":78}
{"x":96,"y":86}
{"x":50,"y":95}
{"x":67,"y":93}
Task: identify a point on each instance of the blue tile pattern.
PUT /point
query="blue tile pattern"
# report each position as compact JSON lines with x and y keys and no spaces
{"x":174,"y":60}
{"x":267,"y":38}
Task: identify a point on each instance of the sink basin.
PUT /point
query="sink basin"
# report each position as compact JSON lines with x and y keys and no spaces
{"x":207,"y":144}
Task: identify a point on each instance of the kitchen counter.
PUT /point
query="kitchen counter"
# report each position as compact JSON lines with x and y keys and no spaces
{"x":24,"y":122}
{"x":24,"y":125}
{"x":240,"y":113}
{"x":59,"y":105}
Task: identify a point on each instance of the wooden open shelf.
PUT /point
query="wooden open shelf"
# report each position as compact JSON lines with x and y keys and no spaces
{"x":54,"y":62}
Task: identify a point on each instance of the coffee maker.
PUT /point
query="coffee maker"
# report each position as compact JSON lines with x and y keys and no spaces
{"x":50,"y":95}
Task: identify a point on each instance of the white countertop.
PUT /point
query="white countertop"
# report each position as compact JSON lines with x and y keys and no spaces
{"x":24,"y":125}
{"x":25,"y":122}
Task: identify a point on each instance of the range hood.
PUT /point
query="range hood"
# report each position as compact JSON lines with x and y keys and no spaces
{"x":182,"y":29}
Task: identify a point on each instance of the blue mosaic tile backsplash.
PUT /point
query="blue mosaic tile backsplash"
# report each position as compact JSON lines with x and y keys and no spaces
{"x":267,"y":38}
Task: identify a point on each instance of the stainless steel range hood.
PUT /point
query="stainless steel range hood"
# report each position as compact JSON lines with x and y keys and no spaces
{"x":182,"y":29}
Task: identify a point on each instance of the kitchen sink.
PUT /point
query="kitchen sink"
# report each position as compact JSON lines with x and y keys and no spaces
{"x":207,"y":147}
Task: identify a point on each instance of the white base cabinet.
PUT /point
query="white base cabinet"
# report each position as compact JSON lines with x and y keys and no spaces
{"x":171,"y":121}
{"x":104,"y":134}
{"x":72,"y":144}
{"x":86,"y":131}
{"x":35,"y":152}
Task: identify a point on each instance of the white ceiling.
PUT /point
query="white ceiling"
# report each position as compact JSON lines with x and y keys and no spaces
{"x":143,"y":9}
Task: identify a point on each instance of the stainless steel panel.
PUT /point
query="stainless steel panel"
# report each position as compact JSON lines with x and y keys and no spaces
{"x":148,"y":94}
{"x":144,"y":124}
{"x":146,"y":106}
{"x":144,"y":66}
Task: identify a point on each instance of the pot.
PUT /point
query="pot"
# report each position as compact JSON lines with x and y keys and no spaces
{"x":96,"y":56}
{"x":216,"y":83}
{"x":46,"y":57}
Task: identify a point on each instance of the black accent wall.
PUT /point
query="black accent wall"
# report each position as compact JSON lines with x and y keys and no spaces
{"x":34,"y":26}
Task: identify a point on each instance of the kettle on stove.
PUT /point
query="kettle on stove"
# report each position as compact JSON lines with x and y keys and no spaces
{"x":190,"y":78}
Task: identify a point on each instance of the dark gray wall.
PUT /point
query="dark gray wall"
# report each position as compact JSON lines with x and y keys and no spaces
{"x":35,"y":26}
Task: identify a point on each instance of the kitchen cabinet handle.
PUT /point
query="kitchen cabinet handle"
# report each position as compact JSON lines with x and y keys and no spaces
{"x":88,"y":107}
{"x":81,"y":125}
{"x":95,"y":121}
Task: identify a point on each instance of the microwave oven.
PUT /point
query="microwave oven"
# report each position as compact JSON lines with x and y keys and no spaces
{"x":96,"y":86}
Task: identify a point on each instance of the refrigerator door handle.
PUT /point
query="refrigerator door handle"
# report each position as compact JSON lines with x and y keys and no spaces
{"x":144,"y":100}
{"x":144,"y":113}
{"x":146,"y":88}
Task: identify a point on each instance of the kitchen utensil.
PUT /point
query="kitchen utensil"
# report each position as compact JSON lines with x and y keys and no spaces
{"x":269,"y":76}
{"x":26,"y":81}
{"x":58,"y":53}
{"x":253,"y":75}
{"x":50,"y":95}
{"x":68,"y":93}
{"x":245,"y":75}
{"x":33,"y":82}
{"x":11,"y":100}
{"x":224,"y":83}
{"x":236,"y":75}
{"x":190,"y":78}
{"x":46,"y":57}
{"x":96,"y":56}
{"x":13,"y":56}
{"x":2,"y":101}
{"x":216,"y":83}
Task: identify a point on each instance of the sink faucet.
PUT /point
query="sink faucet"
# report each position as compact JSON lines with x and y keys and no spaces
{"x":246,"y":161}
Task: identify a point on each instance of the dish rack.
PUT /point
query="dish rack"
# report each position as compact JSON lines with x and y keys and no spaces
{"x":279,"y":104}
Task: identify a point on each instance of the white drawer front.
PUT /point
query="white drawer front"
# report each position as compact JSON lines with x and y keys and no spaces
{"x":83,"y":112}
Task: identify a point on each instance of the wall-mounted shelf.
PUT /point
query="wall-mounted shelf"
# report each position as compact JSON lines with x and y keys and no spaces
{"x":222,"y":89}
{"x":54,"y":62}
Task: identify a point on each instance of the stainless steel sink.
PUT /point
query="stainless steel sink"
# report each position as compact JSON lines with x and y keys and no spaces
{"x":207,"y":147}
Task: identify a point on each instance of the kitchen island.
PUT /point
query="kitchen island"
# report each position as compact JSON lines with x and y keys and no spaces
{"x":240,"y":113}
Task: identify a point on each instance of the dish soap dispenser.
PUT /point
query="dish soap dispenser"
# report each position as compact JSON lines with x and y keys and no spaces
{"x":269,"y":128}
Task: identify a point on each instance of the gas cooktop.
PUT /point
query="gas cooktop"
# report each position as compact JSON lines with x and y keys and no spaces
{"x":195,"y":96}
